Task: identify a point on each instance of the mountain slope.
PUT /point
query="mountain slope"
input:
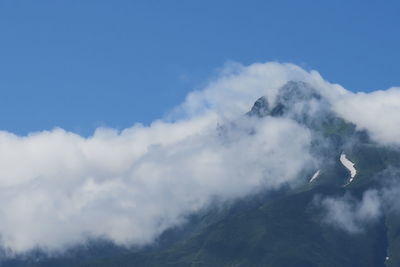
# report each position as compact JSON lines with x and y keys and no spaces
{"x":280,"y":233}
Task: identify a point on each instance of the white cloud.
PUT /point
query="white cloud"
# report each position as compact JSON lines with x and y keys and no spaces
{"x":348,"y":213}
{"x":378,"y":112}
{"x":58,"y":188}
{"x":238,"y":86}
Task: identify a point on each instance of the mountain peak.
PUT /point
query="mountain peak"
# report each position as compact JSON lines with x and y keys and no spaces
{"x":292,"y":93}
{"x":260,"y":108}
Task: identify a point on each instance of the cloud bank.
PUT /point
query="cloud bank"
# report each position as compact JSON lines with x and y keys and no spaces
{"x":378,"y":112}
{"x":58,"y":188}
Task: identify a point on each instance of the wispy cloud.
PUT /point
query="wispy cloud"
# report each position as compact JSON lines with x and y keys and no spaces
{"x":348,"y":213}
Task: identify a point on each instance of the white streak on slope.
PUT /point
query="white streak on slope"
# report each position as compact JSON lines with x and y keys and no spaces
{"x":315,"y":176}
{"x":349,"y":165}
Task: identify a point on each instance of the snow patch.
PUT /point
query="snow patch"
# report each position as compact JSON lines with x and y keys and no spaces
{"x":349,"y":165}
{"x":315,"y":176}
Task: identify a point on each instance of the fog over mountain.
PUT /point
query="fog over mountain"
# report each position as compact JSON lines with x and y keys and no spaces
{"x":59,"y":189}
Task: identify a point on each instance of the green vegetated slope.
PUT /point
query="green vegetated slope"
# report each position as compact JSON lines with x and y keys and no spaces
{"x":284,"y":232}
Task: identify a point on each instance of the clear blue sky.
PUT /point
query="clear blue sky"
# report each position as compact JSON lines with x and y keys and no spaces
{"x":79,"y":64}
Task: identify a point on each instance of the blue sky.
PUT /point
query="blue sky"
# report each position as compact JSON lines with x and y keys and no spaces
{"x":84,"y":64}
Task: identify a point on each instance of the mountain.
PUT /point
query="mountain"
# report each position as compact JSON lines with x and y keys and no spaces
{"x":286,"y":227}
